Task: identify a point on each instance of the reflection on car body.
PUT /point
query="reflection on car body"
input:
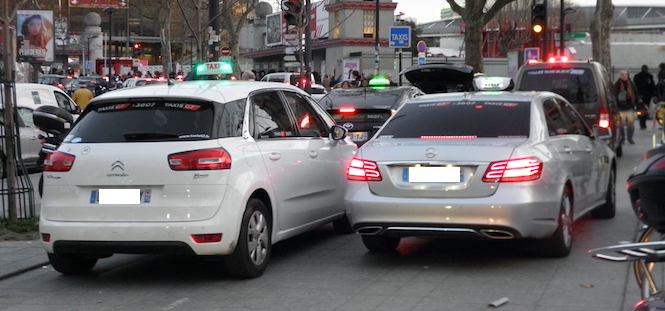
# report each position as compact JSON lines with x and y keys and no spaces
{"x":492,"y":165}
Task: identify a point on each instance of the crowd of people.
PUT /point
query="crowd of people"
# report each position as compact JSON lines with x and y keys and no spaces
{"x":634,"y":97}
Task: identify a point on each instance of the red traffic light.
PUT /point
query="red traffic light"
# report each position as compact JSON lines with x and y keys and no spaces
{"x":137,"y":46}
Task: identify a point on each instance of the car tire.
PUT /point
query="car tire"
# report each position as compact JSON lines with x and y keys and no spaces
{"x":380,"y":243}
{"x":561,"y":242}
{"x":69,"y":263}
{"x":250,"y":258}
{"x":343,"y":226}
{"x":608,"y":209}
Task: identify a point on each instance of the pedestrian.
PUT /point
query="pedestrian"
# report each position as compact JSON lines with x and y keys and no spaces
{"x":326,"y":81}
{"x":647,"y":89}
{"x":82,"y":97}
{"x":627,"y":97}
{"x":248,"y":75}
{"x":660,"y":84}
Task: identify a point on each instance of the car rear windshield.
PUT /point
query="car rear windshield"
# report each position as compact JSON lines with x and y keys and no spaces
{"x":361,"y":99}
{"x":460,"y":120}
{"x":577,"y":85}
{"x":142,"y":121}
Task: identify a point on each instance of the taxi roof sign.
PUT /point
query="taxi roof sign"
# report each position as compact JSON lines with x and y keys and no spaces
{"x":214,"y":68}
{"x":484,"y":83}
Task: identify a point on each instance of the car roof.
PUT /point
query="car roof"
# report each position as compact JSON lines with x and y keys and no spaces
{"x":342,"y":96}
{"x":209,"y":90}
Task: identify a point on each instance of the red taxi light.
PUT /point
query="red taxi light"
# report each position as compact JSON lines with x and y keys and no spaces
{"x":362,"y":170}
{"x":514,"y":170}
{"x":604,"y":118}
{"x":207,"y":159}
{"x":58,"y":162}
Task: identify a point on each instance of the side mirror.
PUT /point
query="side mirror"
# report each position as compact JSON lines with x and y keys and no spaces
{"x":338,"y":132}
{"x":602,"y":133}
{"x":52,"y":119}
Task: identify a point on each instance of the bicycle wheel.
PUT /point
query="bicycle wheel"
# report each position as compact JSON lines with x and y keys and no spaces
{"x":650,"y":276}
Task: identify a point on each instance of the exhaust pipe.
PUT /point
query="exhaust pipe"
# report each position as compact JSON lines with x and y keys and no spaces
{"x":497,"y":234}
{"x":371,"y":230}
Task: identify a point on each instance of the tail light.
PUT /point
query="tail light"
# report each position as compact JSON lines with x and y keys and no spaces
{"x":58,"y":162}
{"x":207,"y":159}
{"x":604,"y":118}
{"x":514,"y":170}
{"x":347,"y":110}
{"x":363,"y":170}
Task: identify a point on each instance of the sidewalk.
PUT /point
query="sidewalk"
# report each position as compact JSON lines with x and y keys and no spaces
{"x":19,"y":256}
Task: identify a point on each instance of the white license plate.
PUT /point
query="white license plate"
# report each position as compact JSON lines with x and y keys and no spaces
{"x":433,"y":174}
{"x":358,"y":136}
{"x":120,"y":196}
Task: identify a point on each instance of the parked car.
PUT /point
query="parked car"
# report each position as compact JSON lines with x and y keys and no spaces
{"x":489,"y":165}
{"x":214,"y":168}
{"x":584,"y":85}
{"x":29,"y":96}
{"x":363,"y":110}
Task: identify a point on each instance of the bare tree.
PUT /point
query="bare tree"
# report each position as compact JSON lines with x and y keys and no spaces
{"x":233,"y":17}
{"x":476,"y":14}
{"x":600,"y":34}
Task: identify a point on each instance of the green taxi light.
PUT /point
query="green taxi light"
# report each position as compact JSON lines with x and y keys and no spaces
{"x":379,"y":81}
{"x":214,"y":68}
{"x":484,"y":83}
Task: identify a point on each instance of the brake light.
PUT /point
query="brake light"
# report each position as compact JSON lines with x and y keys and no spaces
{"x":58,"y":162}
{"x":514,"y":170}
{"x":207,"y":238}
{"x":207,"y":159}
{"x":347,"y":110}
{"x":604,"y":118}
{"x":362,"y":170}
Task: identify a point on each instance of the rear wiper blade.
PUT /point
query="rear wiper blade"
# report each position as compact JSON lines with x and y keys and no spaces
{"x":148,"y":136}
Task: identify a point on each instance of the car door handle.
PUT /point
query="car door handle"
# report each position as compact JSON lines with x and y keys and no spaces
{"x":567,"y":149}
{"x":275,"y":156}
{"x":588,"y":149}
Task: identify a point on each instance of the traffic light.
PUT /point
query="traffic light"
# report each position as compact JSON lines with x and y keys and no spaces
{"x":294,"y":12}
{"x":538,"y":18}
{"x":137,"y":49}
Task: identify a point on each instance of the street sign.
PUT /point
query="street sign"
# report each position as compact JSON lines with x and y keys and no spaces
{"x":290,"y":50}
{"x":400,"y":37}
{"x":421,"y":47}
{"x":571,"y":36}
{"x":291,"y":64}
{"x":226,"y":51}
{"x":422,"y":57}
{"x":290,"y":58}
{"x":88,"y":64}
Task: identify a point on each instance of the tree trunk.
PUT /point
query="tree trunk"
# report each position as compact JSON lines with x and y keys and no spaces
{"x":473,"y":38}
{"x":600,"y":34}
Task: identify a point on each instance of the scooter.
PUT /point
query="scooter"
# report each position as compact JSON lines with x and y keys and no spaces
{"x":645,"y":186}
{"x":55,"y":122}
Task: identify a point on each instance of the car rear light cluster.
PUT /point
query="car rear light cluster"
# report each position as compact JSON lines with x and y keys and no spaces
{"x":58,"y":162}
{"x":363,"y":170}
{"x":207,"y":238}
{"x":207,"y":159}
{"x":604,"y":118}
{"x":514,"y":170}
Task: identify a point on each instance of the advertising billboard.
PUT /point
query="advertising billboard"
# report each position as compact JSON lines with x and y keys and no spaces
{"x":35,"y":36}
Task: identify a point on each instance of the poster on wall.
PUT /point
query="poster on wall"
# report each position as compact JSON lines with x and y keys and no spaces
{"x":274,"y":29}
{"x":34,"y":37}
{"x":350,"y":64}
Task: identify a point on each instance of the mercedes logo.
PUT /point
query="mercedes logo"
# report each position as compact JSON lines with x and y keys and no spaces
{"x":430,"y":152}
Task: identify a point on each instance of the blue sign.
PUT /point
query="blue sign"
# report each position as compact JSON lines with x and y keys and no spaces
{"x":421,"y":61}
{"x":400,"y":37}
{"x":88,"y":64}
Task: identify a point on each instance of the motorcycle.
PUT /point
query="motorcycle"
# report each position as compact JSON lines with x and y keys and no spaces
{"x":645,"y":186}
{"x":55,"y":122}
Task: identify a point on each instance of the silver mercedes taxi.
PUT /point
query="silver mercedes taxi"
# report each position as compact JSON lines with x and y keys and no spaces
{"x":486,"y":164}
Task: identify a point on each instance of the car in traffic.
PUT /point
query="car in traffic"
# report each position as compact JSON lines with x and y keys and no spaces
{"x":55,"y":80}
{"x":222,"y":169}
{"x":29,"y":96}
{"x":481,"y":165}
{"x":583,"y":84}
{"x":435,"y":78}
{"x":134,"y":82}
{"x":363,"y":110}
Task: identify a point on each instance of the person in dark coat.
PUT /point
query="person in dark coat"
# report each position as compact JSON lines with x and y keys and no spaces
{"x":627,"y":97}
{"x":646,"y":87}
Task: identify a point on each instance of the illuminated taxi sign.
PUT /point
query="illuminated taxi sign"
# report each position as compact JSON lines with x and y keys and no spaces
{"x":214,"y":68}
{"x":483,"y":83}
{"x":379,"y":81}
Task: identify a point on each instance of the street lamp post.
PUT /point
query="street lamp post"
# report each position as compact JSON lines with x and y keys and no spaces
{"x":110,"y":10}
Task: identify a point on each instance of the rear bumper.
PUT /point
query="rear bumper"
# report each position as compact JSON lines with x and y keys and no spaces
{"x":505,"y":215}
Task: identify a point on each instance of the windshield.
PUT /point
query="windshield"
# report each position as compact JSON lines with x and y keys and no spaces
{"x":156,"y":121}
{"x":577,"y":85}
{"x":359,"y":98}
{"x":455,"y":120}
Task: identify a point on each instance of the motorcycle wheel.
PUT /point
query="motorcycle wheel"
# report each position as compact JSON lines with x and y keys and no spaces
{"x":650,"y":276}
